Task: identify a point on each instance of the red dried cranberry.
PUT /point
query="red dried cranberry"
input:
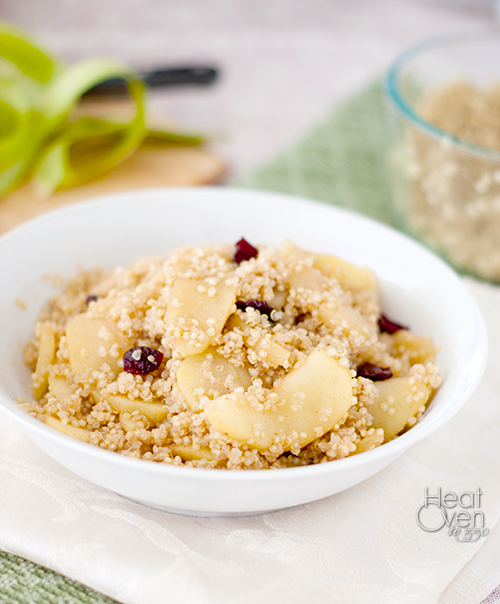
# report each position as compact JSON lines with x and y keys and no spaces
{"x":300,"y":317}
{"x":260,"y":305}
{"x":387,"y":326}
{"x":244,"y":251}
{"x":142,"y":360}
{"x":91,"y":298}
{"x":374,"y":372}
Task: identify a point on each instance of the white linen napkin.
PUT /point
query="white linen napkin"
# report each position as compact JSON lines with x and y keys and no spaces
{"x":362,"y":546}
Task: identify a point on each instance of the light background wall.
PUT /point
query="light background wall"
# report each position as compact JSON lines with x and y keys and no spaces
{"x":284,"y":63}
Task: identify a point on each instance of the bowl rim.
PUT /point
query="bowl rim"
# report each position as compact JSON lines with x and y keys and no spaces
{"x":390,"y":449}
{"x":391,"y":87}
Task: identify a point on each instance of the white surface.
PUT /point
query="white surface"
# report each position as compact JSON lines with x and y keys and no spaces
{"x":415,"y":287}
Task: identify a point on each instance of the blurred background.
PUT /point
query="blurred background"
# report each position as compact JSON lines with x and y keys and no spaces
{"x":284,"y":64}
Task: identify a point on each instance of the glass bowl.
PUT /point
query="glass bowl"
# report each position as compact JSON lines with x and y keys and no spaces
{"x":446,"y":190}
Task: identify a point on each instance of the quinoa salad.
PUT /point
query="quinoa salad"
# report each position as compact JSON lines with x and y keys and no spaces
{"x":229,"y":356}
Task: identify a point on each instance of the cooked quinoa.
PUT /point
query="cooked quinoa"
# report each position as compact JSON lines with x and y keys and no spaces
{"x":454,"y":194}
{"x":227,"y":356}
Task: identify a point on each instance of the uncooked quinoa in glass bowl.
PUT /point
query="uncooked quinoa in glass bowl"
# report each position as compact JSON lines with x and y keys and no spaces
{"x":444,"y":105}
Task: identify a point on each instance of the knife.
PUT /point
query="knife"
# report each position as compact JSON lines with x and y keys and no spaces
{"x":158,"y":78}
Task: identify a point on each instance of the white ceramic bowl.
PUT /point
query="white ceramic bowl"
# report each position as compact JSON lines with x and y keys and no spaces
{"x":418,"y":289}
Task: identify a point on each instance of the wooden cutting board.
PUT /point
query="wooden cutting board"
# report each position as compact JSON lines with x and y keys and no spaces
{"x":152,"y":165}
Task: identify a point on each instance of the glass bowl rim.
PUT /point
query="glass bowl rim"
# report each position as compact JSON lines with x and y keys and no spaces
{"x":391,"y":88}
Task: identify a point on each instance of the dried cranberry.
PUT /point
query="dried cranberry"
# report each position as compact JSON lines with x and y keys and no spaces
{"x":244,"y":251}
{"x":374,"y":372}
{"x":300,"y":317}
{"x":142,"y":360}
{"x":388,"y":326}
{"x":91,"y":298}
{"x":260,"y":305}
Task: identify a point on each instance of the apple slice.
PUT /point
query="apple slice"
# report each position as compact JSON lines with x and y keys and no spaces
{"x":153,"y":411}
{"x":197,"y":312}
{"x":74,"y":431}
{"x":311,"y":399}
{"x":189,"y":453}
{"x":210,"y":374}
{"x":397,"y":401}
{"x":46,"y":354}
{"x":91,"y":341}
{"x":350,"y":277}
{"x":420,"y":349}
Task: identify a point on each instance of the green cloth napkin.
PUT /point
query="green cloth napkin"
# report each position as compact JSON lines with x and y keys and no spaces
{"x":340,"y":162}
{"x":23,"y":582}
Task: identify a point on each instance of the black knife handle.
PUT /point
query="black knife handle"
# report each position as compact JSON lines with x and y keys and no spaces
{"x":159,"y":78}
{"x":182,"y":75}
